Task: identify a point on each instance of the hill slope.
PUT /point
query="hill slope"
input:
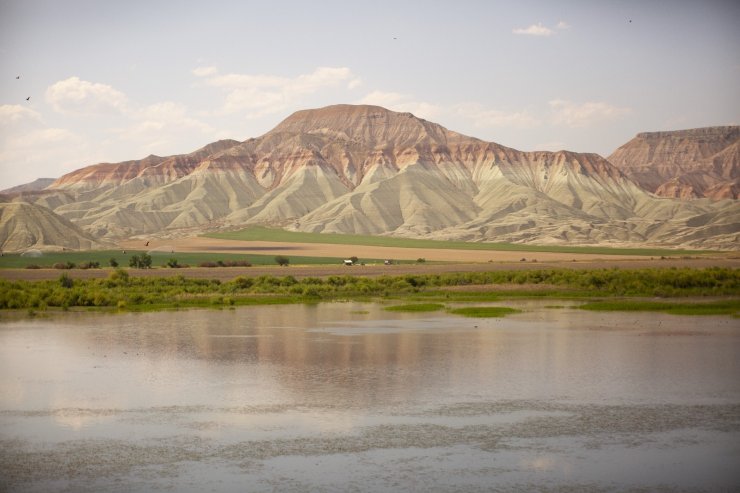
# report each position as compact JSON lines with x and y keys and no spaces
{"x":701,"y":162}
{"x":365,"y":169}
{"x":24,"y":226}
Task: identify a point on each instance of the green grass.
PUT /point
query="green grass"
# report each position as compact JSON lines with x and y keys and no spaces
{"x":484,"y":311}
{"x":259,"y":233}
{"x":121,"y":290}
{"x":723,"y":307}
{"x":159,"y":259}
{"x":416,"y":307}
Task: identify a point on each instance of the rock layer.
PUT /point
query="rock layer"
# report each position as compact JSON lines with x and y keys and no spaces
{"x":685,"y":164}
{"x":368,"y":170}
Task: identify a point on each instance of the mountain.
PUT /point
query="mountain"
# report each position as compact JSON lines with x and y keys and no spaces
{"x":367,"y":170}
{"x":24,"y":226}
{"x":701,"y":162}
{"x":34,"y":186}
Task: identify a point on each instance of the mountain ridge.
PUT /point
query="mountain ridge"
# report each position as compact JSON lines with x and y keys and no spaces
{"x":368,"y":170}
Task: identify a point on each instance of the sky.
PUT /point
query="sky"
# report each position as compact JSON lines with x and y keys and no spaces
{"x":111,"y":81}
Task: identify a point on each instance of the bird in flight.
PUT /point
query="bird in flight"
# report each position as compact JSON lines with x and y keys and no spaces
{"x":147,"y":244}
{"x":17,"y":76}
{"x":28,"y":98}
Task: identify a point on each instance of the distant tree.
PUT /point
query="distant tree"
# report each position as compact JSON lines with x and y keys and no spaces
{"x":146,"y":261}
{"x":354,"y":260}
{"x":113,"y":262}
{"x":172,"y":263}
{"x":420,"y":260}
{"x":143,"y":261}
{"x":282,"y":260}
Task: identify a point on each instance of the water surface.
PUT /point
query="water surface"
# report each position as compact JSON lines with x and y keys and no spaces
{"x":347,"y":396}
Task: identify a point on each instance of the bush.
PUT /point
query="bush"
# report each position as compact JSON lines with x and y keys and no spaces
{"x":143,"y":261}
{"x":207,"y":264}
{"x":420,"y":260}
{"x":90,"y":265}
{"x":118,"y":277}
{"x":65,"y":281}
{"x":282,"y":260}
{"x":33,"y":266}
{"x":172,"y":264}
{"x":113,"y":262}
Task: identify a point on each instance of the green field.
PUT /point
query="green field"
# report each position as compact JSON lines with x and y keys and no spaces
{"x":159,"y":259}
{"x":258,"y":233}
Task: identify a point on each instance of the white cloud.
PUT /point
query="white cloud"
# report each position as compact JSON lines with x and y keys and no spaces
{"x":205,"y":71}
{"x":258,"y":94}
{"x":401,"y":102}
{"x":76,"y":96}
{"x":573,"y":114}
{"x":158,"y":127}
{"x":27,"y":154}
{"x":535,"y":30}
{"x":487,"y":117}
{"x":15,"y":115}
{"x":541,"y":30}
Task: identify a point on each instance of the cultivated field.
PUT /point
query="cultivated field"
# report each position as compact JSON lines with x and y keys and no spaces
{"x":310,"y":258}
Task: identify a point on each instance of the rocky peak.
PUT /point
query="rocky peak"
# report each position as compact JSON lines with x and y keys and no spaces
{"x":365,"y":124}
{"x":692,"y":163}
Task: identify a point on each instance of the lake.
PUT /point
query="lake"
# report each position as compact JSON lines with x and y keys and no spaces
{"x":350,"y":397}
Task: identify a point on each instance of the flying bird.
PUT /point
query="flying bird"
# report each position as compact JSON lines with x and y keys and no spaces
{"x":17,"y":76}
{"x":28,"y":98}
{"x":147,"y":244}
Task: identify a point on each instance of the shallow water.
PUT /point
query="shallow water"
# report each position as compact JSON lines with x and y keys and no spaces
{"x":349,"y":397}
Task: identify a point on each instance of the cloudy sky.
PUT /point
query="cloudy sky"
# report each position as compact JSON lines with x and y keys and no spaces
{"x":111,"y":81}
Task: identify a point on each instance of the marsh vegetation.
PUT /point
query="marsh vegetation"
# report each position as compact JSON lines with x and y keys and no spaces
{"x":122,"y":291}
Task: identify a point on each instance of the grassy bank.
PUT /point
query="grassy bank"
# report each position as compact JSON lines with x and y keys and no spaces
{"x":124,"y":292}
{"x":723,"y":307}
{"x":258,"y":233}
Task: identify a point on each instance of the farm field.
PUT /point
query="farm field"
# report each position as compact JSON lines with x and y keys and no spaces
{"x":307,"y":257}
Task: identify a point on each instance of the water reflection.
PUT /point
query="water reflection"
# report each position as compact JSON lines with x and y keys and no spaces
{"x":339,"y":382}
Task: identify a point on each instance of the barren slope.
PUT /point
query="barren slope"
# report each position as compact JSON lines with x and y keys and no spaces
{"x":365,"y":169}
{"x":701,"y":162}
{"x":24,"y":226}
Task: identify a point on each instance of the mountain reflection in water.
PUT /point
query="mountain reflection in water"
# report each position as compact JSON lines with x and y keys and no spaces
{"x":348,"y":396}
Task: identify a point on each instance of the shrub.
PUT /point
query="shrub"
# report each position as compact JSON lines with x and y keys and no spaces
{"x":113,"y":262}
{"x":420,"y":260}
{"x":33,"y":266}
{"x":243,"y":282}
{"x":282,"y":260}
{"x":143,"y":261}
{"x":172,"y":263}
{"x":64,"y":265}
{"x":90,"y":265}
{"x":65,"y":281}
{"x":118,"y":277}
{"x":207,"y":264}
